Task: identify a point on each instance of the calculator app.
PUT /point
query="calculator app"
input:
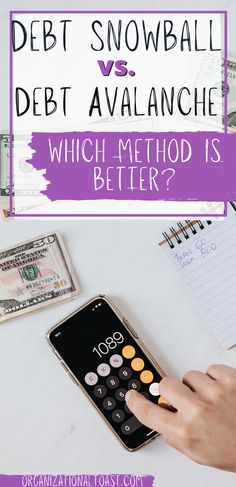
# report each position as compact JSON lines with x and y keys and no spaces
{"x":107,"y":361}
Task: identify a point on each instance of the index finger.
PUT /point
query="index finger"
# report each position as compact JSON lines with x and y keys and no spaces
{"x":150,"y":414}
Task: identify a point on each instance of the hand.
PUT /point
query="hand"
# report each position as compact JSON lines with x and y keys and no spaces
{"x":204,"y":425}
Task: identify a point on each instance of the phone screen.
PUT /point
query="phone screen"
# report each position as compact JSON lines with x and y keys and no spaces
{"x":106,"y":359}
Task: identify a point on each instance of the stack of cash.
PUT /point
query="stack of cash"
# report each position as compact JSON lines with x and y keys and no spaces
{"x":35,"y":274}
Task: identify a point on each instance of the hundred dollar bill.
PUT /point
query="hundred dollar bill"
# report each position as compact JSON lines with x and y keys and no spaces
{"x":212,"y":73}
{"x":34,"y":274}
{"x":231,"y":94}
{"x":230,"y":91}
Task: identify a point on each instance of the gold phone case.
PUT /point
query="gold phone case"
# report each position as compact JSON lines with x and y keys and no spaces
{"x":127,"y":325}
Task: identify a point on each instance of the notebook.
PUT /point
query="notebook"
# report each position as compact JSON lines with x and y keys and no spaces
{"x":204,"y":255}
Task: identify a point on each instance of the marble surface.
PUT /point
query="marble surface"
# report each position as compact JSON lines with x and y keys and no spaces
{"x":46,"y":423}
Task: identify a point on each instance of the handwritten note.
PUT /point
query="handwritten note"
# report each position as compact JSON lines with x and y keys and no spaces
{"x":206,"y":261}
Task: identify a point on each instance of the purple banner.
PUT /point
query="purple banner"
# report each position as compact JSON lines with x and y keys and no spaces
{"x":176,"y":166}
{"x":102,"y":480}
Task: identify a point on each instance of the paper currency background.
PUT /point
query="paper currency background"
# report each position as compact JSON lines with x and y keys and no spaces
{"x":185,"y":68}
{"x":120,"y":258}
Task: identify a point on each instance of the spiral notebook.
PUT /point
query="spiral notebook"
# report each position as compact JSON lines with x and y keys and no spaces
{"x":204,"y":255}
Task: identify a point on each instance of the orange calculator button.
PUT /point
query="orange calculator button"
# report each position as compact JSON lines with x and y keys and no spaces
{"x":146,"y":376}
{"x":163,"y":403}
{"x":162,"y":400}
{"x":137,"y":364}
{"x":128,"y":351}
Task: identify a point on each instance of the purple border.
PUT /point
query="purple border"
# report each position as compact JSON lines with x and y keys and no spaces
{"x":11,"y":117}
{"x":123,"y":215}
{"x":12,"y":12}
{"x":118,"y":11}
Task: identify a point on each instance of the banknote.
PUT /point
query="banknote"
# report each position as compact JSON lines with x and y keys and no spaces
{"x":34,"y":274}
{"x":228,"y":89}
{"x":6,"y":214}
{"x":27,"y":180}
{"x":231,"y":94}
{"x":212,"y":73}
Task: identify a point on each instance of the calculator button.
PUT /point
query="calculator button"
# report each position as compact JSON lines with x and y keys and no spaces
{"x":125,"y":373}
{"x":128,"y":351}
{"x":137,"y":364}
{"x":134,"y":384}
{"x":146,"y":376}
{"x":109,"y":403}
{"x":154,"y":389}
{"x":120,"y":394}
{"x":116,"y":360}
{"x":91,"y":378}
{"x":118,"y":416}
{"x":132,"y":424}
{"x":100,"y":390}
{"x":103,"y":370}
{"x":112,"y":382}
{"x":163,"y":402}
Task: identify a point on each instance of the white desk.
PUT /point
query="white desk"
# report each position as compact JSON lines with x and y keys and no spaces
{"x":46,"y":423}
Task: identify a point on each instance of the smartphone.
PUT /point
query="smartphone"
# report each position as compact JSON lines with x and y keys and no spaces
{"x":103,"y":354}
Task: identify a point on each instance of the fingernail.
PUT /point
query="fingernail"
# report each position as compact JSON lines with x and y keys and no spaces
{"x":128,"y":395}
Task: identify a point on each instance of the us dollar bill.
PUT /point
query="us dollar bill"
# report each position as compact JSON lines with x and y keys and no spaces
{"x":231,"y":94}
{"x":34,"y":274}
{"x":27,"y":179}
{"x":226,"y":90}
{"x":212,"y":73}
